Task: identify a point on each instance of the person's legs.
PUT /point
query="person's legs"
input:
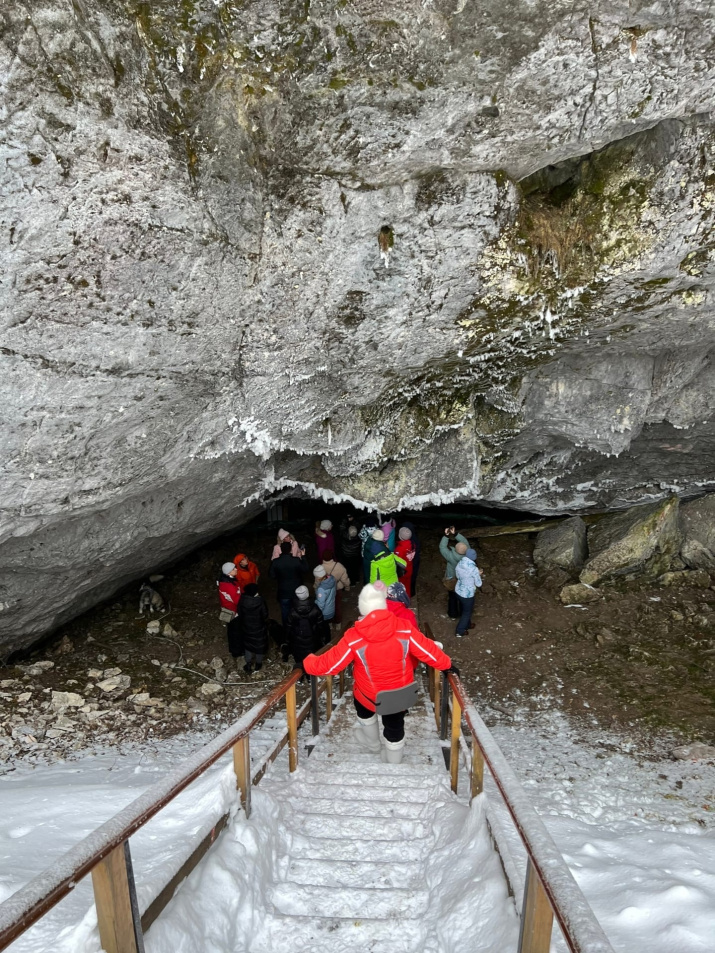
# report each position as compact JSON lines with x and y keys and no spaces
{"x":235,"y":642}
{"x":367,"y":729}
{"x":393,"y":726}
{"x":248,"y":656}
{"x":285,"y":612}
{"x":393,"y":730}
{"x":465,"y":620}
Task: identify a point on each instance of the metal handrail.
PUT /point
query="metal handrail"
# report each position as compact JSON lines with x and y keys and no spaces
{"x":581,"y":930}
{"x":25,"y":907}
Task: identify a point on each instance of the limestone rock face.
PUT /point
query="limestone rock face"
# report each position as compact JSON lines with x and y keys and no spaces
{"x":562,"y":547}
{"x":642,"y":540}
{"x":697,"y":524}
{"x":401,"y":252}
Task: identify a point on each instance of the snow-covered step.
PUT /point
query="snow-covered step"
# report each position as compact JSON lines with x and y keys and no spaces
{"x":281,"y":934}
{"x":360,"y":848}
{"x":375,"y":806}
{"x":354,"y":873}
{"x":358,"y":762}
{"x":364,"y":788}
{"x":348,"y":902}
{"x":349,"y":826}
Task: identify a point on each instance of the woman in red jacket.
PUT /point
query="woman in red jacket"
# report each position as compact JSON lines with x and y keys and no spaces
{"x":384,"y":650}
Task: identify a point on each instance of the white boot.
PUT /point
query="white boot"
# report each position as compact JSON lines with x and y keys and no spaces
{"x":367,"y":733}
{"x":393,"y":750}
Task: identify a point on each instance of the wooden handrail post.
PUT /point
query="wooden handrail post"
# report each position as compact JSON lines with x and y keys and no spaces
{"x":537,"y":917}
{"x":292,"y":729}
{"x":115,"y":898}
{"x":328,"y":697}
{"x":477,"y":769}
{"x":454,"y":750}
{"x":341,"y":684}
{"x":430,"y":682}
{"x":444,"y":707}
{"x":437,"y":706}
{"x":314,"y":707}
{"x":242,"y":767}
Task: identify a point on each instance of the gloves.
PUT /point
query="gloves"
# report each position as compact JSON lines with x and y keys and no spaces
{"x":452,"y":670}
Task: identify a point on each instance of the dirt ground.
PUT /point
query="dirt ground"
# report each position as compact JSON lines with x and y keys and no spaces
{"x":640,"y":658}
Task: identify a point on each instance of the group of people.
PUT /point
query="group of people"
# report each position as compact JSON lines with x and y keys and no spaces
{"x":382,"y":553}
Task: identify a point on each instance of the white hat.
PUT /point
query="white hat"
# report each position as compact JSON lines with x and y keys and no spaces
{"x":325,"y":525}
{"x":319,"y":572}
{"x":228,"y":568}
{"x":379,"y":535}
{"x":302,"y":592}
{"x":371,"y":599}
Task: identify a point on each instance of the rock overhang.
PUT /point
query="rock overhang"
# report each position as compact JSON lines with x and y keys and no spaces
{"x":199,"y":309}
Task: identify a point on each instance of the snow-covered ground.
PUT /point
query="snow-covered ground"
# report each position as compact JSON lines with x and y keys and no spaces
{"x":638,"y":833}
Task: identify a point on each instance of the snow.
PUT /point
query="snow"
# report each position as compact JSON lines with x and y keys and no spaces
{"x":637,"y":832}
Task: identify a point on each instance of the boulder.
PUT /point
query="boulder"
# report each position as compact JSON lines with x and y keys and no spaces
{"x":641,"y":541}
{"x":579,"y":593}
{"x":117,"y":683}
{"x":66,"y":700}
{"x":210,"y":688}
{"x":697,"y":525}
{"x":695,"y":752}
{"x":563,"y":547}
{"x":696,"y":579}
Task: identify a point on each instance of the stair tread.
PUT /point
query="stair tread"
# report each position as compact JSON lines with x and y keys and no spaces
{"x":366,"y":828}
{"x":359,"y":848}
{"x":372,"y":874}
{"x":386,"y":785}
{"x":301,"y":934}
{"x":348,"y":902}
{"x":357,"y":807}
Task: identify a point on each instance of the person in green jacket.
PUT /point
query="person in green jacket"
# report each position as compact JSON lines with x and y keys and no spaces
{"x":384,"y":567}
{"x":452,"y":555}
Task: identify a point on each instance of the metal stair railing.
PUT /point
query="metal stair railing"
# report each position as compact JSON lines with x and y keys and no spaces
{"x":550,"y":890}
{"x":105,"y":852}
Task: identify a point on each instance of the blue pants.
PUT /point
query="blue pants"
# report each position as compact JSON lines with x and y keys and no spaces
{"x":285,"y":612}
{"x":466,"y":616}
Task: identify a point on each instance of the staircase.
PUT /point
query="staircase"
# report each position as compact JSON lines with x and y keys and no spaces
{"x":352,"y":874}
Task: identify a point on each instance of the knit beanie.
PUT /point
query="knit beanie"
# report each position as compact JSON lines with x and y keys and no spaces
{"x":251,"y":589}
{"x":227,"y":568}
{"x":282,"y":533}
{"x":325,"y":525}
{"x":302,"y":592}
{"x":461,"y":548}
{"x":371,"y":598}
{"x":378,"y":535}
{"x":319,"y":572}
{"x":398,"y":593}
{"x":471,"y":554}
{"x":405,"y":533}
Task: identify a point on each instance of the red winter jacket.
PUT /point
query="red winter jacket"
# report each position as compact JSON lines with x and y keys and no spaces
{"x":401,"y":611}
{"x":229,"y":592}
{"x":385,"y":650}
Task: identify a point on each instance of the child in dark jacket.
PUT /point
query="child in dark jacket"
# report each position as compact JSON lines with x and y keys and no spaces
{"x":252,"y":622}
{"x":305,"y":625}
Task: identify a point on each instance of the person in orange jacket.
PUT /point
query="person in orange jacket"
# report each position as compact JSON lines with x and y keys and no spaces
{"x":246,"y":571}
{"x":384,"y":650}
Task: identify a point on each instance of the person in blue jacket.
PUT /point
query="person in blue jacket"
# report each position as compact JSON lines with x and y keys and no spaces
{"x":325,"y":589}
{"x":469,"y":579}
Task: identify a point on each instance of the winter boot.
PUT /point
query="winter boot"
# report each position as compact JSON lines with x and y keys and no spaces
{"x":392,"y":752}
{"x":248,"y":668}
{"x":367,"y":733}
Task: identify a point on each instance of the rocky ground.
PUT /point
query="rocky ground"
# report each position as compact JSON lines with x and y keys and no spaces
{"x":639,"y":659}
